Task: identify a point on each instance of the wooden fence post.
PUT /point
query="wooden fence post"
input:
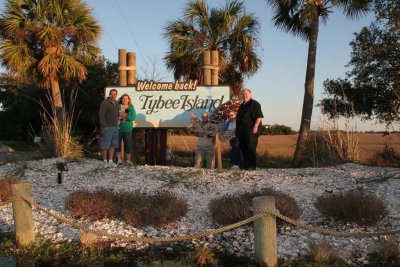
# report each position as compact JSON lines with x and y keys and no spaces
{"x":265,"y":232}
{"x":206,"y":67}
{"x":215,"y":67}
{"x":122,"y":73}
{"x":22,"y":211}
{"x":131,"y":73}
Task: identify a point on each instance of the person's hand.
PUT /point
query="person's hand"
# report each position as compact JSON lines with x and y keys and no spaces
{"x":255,"y":129}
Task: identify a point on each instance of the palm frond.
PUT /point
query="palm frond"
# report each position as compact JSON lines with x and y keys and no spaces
{"x":353,"y":8}
{"x":71,"y":68}
{"x":16,"y":57}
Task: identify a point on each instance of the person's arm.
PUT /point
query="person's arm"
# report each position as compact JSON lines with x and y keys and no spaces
{"x":257,"y":113}
{"x":257,"y":124}
{"x":132,"y":114}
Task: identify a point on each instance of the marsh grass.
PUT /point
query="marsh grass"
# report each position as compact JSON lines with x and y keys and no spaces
{"x":58,"y":135}
{"x":328,"y":145}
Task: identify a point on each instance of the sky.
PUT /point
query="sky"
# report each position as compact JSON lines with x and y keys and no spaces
{"x":138,"y":26}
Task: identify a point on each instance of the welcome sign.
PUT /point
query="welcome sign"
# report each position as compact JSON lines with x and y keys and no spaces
{"x":169,"y":104}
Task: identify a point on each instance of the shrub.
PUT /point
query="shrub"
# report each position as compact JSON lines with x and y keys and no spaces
{"x":5,"y":187}
{"x":94,"y":205}
{"x":352,"y":206}
{"x":157,"y":209}
{"x":387,"y":158}
{"x":387,"y":254}
{"x":133,"y":207}
{"x":231,"y":209}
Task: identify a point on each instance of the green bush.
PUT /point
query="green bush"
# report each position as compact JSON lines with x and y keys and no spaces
{"x":352,"y":206}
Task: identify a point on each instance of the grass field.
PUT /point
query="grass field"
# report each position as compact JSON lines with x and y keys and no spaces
{"x":284,"y":145}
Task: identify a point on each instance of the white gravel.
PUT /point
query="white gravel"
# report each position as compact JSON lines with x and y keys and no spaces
{"x":198,"y":187}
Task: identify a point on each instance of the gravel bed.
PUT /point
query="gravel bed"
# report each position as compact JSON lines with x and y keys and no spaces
{"x":198,"y":187}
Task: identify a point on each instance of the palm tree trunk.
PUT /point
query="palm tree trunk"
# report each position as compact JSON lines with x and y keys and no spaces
{"x":308,"y":92}
{"x":57,"y":100}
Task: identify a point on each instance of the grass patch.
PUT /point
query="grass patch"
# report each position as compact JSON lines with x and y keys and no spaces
{"x":387,"y":253}
{"x":318,"y":255}
{"x":352,"y":206}
{"x":231,"y":209}
{"x":135,"y":208}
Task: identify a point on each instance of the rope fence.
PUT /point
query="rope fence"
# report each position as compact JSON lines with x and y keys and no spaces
{"x":261,"y":213}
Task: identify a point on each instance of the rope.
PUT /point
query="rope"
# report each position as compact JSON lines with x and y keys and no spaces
{"x":261,"y":213}
{"x":6,"y":202}
{"x":322,"y":230}
{"x":141,"y":239}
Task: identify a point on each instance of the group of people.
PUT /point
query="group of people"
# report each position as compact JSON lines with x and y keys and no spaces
{"x":116,"y":122}
{"x":246,"y":126}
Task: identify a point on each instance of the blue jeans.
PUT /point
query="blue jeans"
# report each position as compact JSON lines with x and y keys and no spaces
{"x":236,"y":154}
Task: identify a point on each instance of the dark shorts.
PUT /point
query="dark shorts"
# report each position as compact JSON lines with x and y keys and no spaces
{"x":127,"y":137}
{"x":109,"y":138}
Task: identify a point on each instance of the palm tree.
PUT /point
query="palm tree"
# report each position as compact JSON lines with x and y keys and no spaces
{"x":230,"y":30}
{"x":48,"y":40}
{"x":301,"y":18}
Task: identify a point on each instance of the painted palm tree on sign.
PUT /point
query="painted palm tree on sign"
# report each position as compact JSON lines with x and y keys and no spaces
{"x":230,"y":30}
{"x":48,"y":40}
{"x":301,"y":18}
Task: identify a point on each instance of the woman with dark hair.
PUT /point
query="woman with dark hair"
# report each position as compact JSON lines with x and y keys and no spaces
{"x":127,"y":115}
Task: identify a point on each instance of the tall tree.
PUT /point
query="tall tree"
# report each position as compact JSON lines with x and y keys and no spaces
{"x":302,"y":18}
{"x":230,"y":30}
{"x":372,"y":86}
{"x":48,"y":40}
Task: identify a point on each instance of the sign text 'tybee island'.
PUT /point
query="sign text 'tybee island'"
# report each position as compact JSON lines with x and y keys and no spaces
{"x":169,"y":104}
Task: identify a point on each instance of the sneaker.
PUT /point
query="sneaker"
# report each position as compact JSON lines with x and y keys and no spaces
{"x":105,"y":164}
{"x":235,"y":167}
{"x":129,"y":163}
{"x":120,"y":163}
{"x":112,"y":164}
